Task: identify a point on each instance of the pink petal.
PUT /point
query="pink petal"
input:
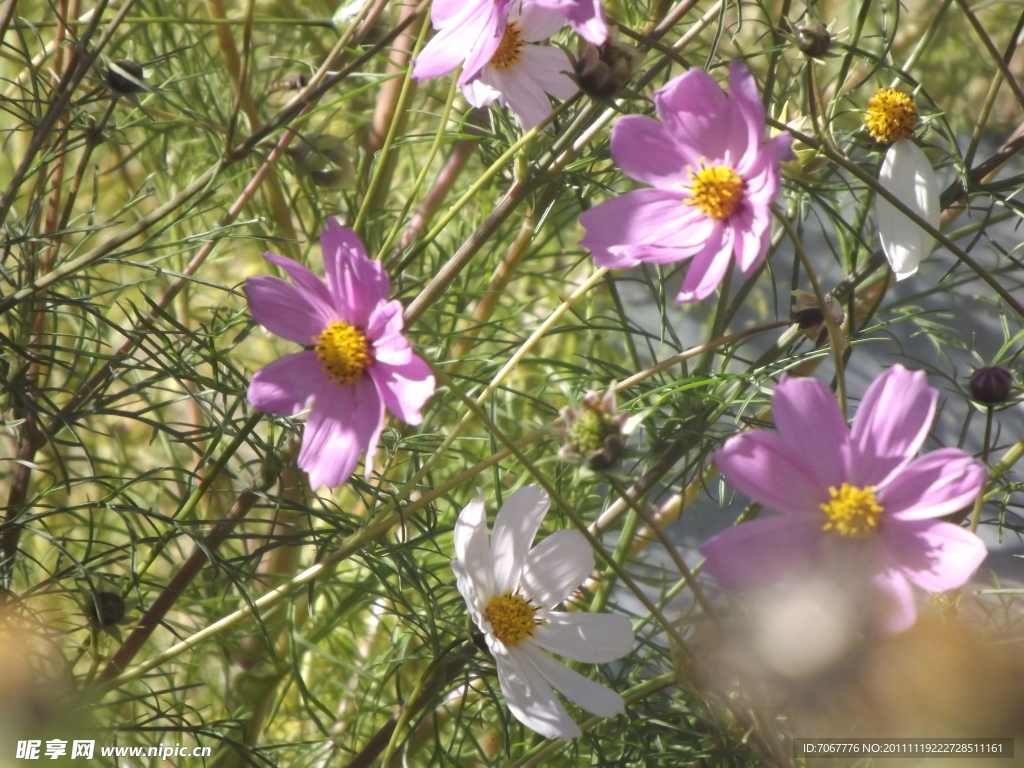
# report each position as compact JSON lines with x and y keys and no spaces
{"x":520,"y":92}
{"x":443,"y":10}
{"x":307,"y":282}
{"x":488,"y":27}
{"x":344,"y":421}
{"x":536,"y":22}
{"x":471,"y":35}
{"x":891,"y":424}
{"x":285,"y":310}
{"x":744,"y":95}
{"x":897,"y":601}
{"x":645,"y":151}
{"x":585,"y":16}
{"x":404,"y":388}
{"x":658,"y":217}
{"x":588,"y":21}
{"x":751,"y":237}
{"x":384,"y":331}
{"x":546,"y":66}
{"x":760,"y":465}
{"x":934,"y":555}
{"x":761,"y":183}
{"x":703,"y":122}
{"x":478,"y":93}
{"x":810,"y":423}
{"x":285,"y":386}
{"x":934,"y":485}
{"x":357,"y":283}
{"x":758,"y":554}
{"x":780,"y":147}
{"x":708,"y":267}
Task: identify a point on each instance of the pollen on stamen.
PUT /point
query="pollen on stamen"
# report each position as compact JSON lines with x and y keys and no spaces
{"x":853,"y":512}
{"x":512,"y":617}
{"x":510,"y":49}
{"x":715,"y":190}
{"x":891,"y":115}
{"x":343,"y":352}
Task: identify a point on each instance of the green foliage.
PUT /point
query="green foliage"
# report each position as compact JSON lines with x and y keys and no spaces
{"x":134,"y":465}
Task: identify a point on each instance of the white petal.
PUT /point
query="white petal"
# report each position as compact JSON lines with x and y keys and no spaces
{"x":908,"y":175}
{"x":478,"y":93}
{"x":594,"y":638}
{"x":514,"y":530}
{"x":471,"y":549}
{"x":531,"y":699}
{"x":468,"y":589}
{"x":548,"y":67}
{"x":593,"y":697}
{"x":556,"y":567}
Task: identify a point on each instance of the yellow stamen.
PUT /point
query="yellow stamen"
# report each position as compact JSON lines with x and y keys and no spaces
{"x":343,"y":352}
{"x":891,"y":115}
{"x":510,"y":49}
{"x":716,"y":190}
{"x":512,"y":617}
{"x":853,"y":512}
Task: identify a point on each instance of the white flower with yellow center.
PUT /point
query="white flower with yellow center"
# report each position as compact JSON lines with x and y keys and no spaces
{"x":510,"y":590}
{"x":521,"y":75}
{"x":907,"y":174}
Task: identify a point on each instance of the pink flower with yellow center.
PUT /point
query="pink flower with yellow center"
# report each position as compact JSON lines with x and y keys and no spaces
{"x":356,"y":359}
{"x":855,"y":498}
{"x":521,"y":75}
{"x":468,"y":33}
{"x":712,"y":178}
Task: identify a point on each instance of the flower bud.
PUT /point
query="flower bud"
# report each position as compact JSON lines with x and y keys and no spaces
{"x":809,"y":315}
{"x":991,"y":385}
{"x":812,"y":37}
{"x":594,"y":433}
{"x":603,"y":71}
{"x":104,"y":609}
{"x":125,"y":76}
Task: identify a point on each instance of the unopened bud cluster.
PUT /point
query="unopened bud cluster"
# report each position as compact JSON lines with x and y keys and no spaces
{"x":594,"y":432}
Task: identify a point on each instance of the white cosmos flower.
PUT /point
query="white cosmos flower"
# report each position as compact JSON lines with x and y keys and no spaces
{"x":908,"y":175}
{"x":521,"y":75}
{"x":510,"y":590}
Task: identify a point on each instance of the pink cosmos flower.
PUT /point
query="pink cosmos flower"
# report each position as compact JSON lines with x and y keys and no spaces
{"x":468,"y":33}
{"x":520,"y":75}
{"x":853,"y":497}
{"x":586,"y":17}
{"x":712,"y":182}
{"x":356,"y":359}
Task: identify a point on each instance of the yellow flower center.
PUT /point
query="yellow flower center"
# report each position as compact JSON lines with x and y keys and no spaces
{"x":343,"y":352}
{"x":891,"y":116}
{"x":510,"y":49}
{"x":512,"y":617}
{"x":716,"y":190}
{"x":853,"y":512}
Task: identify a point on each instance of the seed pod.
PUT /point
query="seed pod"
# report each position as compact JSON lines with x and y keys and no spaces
{"x":603,"y":71}
{"x":991,"y":385}
{"x":595,"y":434}
{"x":124,"y":77}
{"x":812,"y":37}
{"x":104,"y":609}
